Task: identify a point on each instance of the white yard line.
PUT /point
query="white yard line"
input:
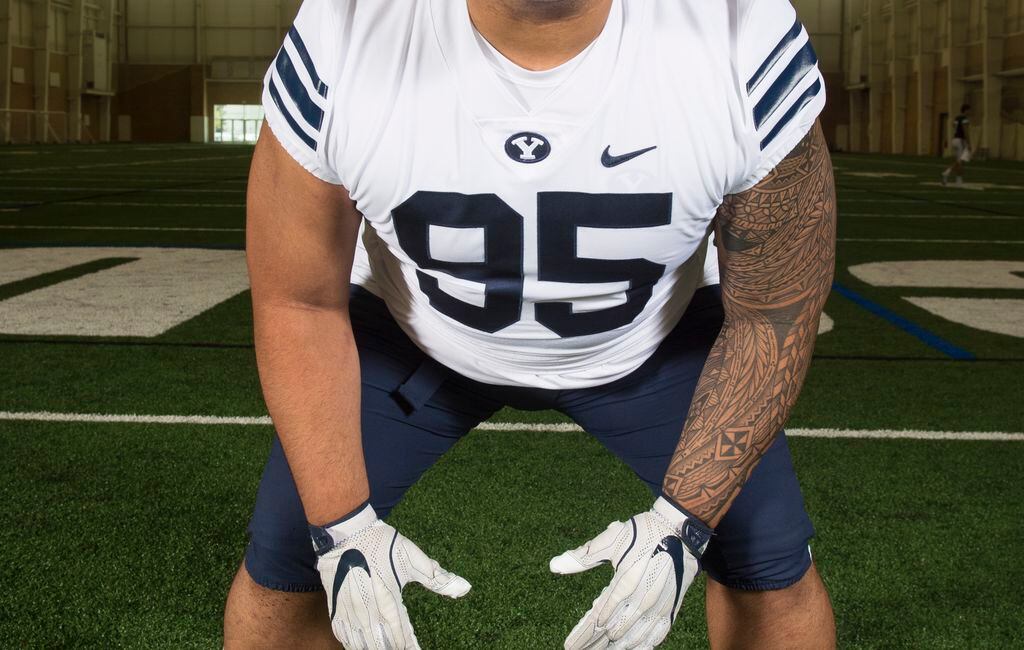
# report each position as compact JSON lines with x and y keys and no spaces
{"x":844,"y":201}
{"x":844,"y":160}
{"x":157,"y":228}
{"x":139,"y":204}
{"x":140,"y":176}
{"x":896,"y":215}
{"x":134,"y":204}
{"x":90,"y":166}
{"x":974,"y":200}
{"x":49,"y":416}
{"x":140,"y":190}
{"x":931,"y":241}
{"x":562,"y":427}
{"x":184,"y":229}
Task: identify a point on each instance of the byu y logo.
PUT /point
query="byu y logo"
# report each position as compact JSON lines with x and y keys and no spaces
{"x":527,"y":147}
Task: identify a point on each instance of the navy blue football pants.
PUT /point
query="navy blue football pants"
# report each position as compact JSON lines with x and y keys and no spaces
{"x":414,"y":410}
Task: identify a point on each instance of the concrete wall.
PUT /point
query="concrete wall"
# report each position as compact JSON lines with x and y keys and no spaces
{"x":160,"y":55}
{"x":231,"y":42}
{"x":157,"y":99}
{"x":44,"y":94}
{"x":823,"y":21}
{"x":895,"y":70}
{"x":908,"y":65}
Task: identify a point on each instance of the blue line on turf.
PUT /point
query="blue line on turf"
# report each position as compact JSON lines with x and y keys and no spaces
{"x":915,"y":330}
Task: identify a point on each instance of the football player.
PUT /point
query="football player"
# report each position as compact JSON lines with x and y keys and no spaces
{"x":536,"y":182}
{"x":961,"y":145}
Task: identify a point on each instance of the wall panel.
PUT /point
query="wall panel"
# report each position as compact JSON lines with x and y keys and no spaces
{"x":22,"y":94}
{"x":912,"y":115}
{"x":158,"y":99}
{"x":930,"y":56}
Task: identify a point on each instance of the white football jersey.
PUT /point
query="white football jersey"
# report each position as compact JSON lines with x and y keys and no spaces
{"x":553,"y":245}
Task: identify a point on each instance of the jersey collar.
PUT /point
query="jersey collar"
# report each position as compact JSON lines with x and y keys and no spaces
{"x":579,"y":96}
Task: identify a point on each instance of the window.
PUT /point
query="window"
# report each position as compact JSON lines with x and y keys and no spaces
{"x":914,"y":22}
{"x":942,"y":27}
{"x":1014,"y":16}
{"x":236,"y":122}
{"x":57,"y":30}
{"x":21,"y":21}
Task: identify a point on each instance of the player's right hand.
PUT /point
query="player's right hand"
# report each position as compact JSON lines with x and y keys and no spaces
{"x":364,"y":563}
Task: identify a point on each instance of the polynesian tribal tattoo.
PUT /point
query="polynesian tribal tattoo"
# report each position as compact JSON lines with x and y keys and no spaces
{"x":777,"y":253}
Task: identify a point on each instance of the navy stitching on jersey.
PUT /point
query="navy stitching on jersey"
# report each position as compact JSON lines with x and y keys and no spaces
{"x":773,"y":58}
{"x":310,"y":142}
{"x":784,"y":84}
{"x":307,"y":60}
{"x":312,"y":113}
{"x":802,"y":101}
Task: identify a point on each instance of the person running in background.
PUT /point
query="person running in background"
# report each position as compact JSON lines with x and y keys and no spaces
{"x":961,"y":146}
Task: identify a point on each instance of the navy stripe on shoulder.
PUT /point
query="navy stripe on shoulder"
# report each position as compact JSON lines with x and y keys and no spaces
{"x":307,"y":61}
{"x":310,"y":142}
{"x":805,"y":97}
{"x":787,"y":80}
{"x":773,"y":58}
{"x":312,"y":113}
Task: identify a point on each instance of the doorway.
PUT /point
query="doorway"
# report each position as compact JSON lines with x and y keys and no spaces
{"x":237,"y":123}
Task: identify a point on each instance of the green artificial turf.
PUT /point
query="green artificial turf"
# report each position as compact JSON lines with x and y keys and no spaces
{"x":128,"y":536}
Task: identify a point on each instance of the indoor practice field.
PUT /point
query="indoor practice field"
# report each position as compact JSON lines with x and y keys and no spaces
{"x":133,"y":430}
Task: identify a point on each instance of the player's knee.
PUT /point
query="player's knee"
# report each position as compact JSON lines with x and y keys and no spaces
{"x":256,"y":616}
{"x":805,"y":597}
{"x":797,"y":616}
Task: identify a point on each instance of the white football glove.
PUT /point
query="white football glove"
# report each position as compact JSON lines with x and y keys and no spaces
{"x":364,"y":563}
{"x":656,"y":557}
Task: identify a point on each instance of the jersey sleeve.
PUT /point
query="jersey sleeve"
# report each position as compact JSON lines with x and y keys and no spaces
{"x":297,"y":99}
{"x":781,"y":88}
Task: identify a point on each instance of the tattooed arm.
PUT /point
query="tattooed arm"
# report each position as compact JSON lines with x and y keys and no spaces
{"x":776,"y":246}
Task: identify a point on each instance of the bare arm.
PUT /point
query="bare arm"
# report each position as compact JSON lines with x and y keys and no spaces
{"x":300,"y":240}
{"x":776,"y":244}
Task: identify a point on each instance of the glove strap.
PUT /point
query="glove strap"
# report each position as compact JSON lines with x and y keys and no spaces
{"x":694,"y":532}
{"x":332,"y":534}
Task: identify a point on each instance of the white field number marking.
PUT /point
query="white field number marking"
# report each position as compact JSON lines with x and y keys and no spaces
{"x":162,"y":288}
{"x":826,"y":324}
{"x":998,"y":315}
{"x":952,"y":274}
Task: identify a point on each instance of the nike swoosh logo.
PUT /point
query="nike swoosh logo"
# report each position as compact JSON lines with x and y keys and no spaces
{"x":674,"y":547}
{"x":608,"y":160}
{"x":350,"y":559}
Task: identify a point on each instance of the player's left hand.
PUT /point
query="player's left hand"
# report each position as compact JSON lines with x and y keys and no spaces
{"x":656,"y":556}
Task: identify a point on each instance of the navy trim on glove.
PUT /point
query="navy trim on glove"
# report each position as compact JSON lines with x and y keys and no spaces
{"x":322,"y":539}
{"x":695,"y":533}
